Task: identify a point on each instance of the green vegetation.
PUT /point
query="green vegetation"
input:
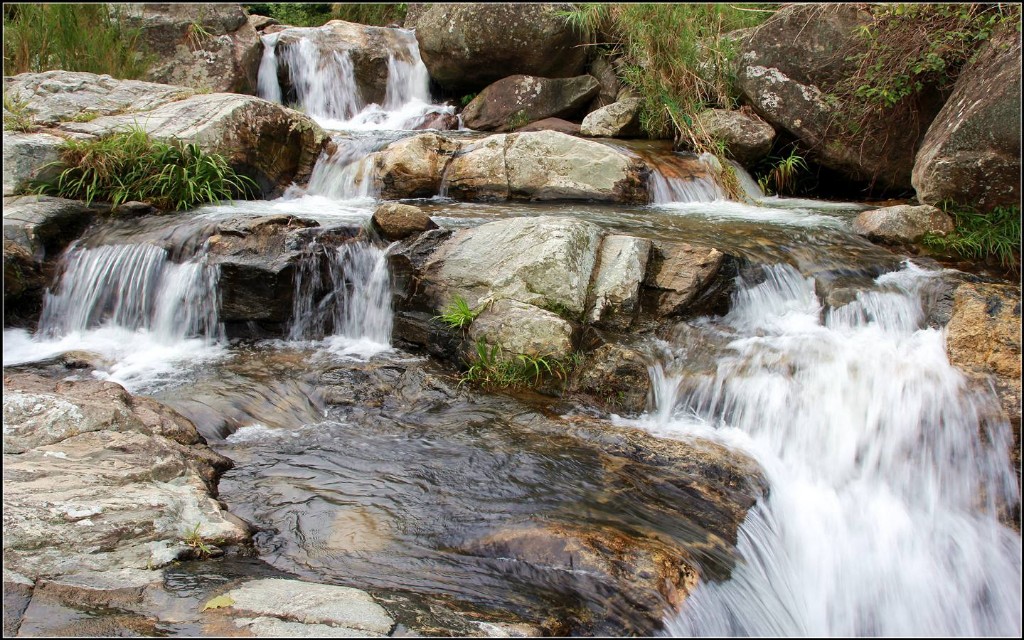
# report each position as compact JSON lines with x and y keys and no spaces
{"x":675,"y":57}
{"x":131,"y":166}
{"x":377,"y":14}
{"x":782,"y":174}
{"x":72,"y":37}
{"x":315,"y":15}
{"x":493,"y":368}
{"x":518,"y":119}
{"x":16,"y":114}
{"x":192,"y":538}
{"x":466,"y":99}
{"x":458,"y":315}
{"x":993,"y":236}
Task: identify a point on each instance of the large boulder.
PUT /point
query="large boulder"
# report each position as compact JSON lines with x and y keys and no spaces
{"x":468,"y":46}
{"x":368,"y":48}
{"x":747,"y":138}
{"x":617,"y":120}
{"x":971,"y":152}
{"x":788,"y":66}
{"x":902,"y":224}
{"x":515,"y":101}
{"x":210,"y":46}
{"x":53,"y":97}
{"x":478,"y":171}
{"x":413,"y":167}
{"x":274,"y":145}
{"x":546,"y":262}
{"x":97,"y":480}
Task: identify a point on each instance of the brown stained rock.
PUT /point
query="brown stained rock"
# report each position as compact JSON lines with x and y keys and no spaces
{"x":903,"y":224}
{"x":514,"y":101}
{"x":414,"y":167}
{"x":676,"y":274}
{"x":552,"y":124}
{"x":615,"y":378}
{"x":397,"y":221}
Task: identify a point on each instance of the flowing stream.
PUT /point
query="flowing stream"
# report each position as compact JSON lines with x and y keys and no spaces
{"x":360,"y":464}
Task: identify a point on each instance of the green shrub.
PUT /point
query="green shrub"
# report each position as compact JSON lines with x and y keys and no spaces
{"x":782,"y":174}
{"x":293,"y":14}
{"x":131,"y":166}
{"x":71,"y":37}
{"x":458,"y":315}
{"x":993,"y":236}
{"x":377,"y":14}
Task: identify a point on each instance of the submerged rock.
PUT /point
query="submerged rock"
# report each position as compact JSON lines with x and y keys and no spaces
{"x":971,"y":152}
{"x":515,"y":101}
{"x":96,"y":479}
{"x":903,"y":224}
{"x":467,"y":46}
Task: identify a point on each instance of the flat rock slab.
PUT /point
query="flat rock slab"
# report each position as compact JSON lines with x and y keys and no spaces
{"x":311,"y":603}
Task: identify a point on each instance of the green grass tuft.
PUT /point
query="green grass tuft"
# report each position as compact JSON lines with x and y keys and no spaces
{"x":494,"y":368}
{"x":458,"y":315}
{"x":130,"y":165}
{"x":993,"y":236}
{"x":17,"y":116}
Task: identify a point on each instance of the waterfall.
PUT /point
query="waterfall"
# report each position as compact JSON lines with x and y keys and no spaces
{"x":346,"y":173}
{"x":135,"y":287}
{"x":886,"y":471}
{"x":325,"y":86}
{"x":343,"y":292}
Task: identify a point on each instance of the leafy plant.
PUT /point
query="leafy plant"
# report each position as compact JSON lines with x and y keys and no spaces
{"x":458,"y":314}
{"x":129,"y":165}
{"x":293,"y":14}
{"x":518,"y":119}
{"x":197,"y":35}
{"x":17,"y":116}
{"x":993,"y":236}
{"x":193,"y":539}
{"x":493,"y":368}
{"x":782,"y":177}
{"x":466,"y":99}
{"x":71,"y":37}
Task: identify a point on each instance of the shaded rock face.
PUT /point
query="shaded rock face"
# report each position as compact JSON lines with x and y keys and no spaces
{"x":902,"y":224}
{"x":747,"y":137}
{"x":224,"y":58}
{"x":369,"y":49}
{"x":397,"y":221}
{"x":468,"y":46}
{"x":677,"y":274}
{"x":97,"y":480}
{"x":603,"y":69}
{"x":971,"y":152}
{"x":617,"y":120}
{"x":615,"y":378}
{"x":518,"y":100}
{"x":272,"y":144}
{"x":552,"y":124}
{"x":786,"y":65}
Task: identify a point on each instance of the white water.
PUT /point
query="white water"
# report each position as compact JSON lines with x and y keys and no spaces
{"x":326,"y":89}
{"x":881,"y":517}
{"x":354,"y":303}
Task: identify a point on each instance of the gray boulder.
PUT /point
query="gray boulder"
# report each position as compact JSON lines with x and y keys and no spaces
{"x":617,"y":120}
{"x":615,"y":288}
{"x":468,"y":46}
{"x":904,"y":224}
{"x":27,"y":157}
{"x":210,"y":46}
{"x":520,"y":328}
{"x":747,"y":137}
{"x":971,"y":152}
{"x":515,"y":101}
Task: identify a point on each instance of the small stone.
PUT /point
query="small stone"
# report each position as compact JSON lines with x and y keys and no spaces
{"x":397,"y":221}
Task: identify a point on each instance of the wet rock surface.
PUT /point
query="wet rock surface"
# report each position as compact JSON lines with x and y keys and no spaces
{"x":397,"y":221}
{"x":903,"y":224}
{"x":519,"y":100}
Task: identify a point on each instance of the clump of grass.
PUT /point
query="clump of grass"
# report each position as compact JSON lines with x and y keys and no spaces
{"x":17,"y":116}
{"x":130,"y":165}
{"x":193,"y":539}
{"x":71,"y":37}
{"x":458,"y":314}
{"x":783,"y":174}
{"x":675,"y":58}
{"x":993,"y":236}
{"x":494,"y":368}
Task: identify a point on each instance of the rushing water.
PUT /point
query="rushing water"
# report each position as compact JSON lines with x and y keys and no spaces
{"x":361,"y":464}
{"x":886,"y":476}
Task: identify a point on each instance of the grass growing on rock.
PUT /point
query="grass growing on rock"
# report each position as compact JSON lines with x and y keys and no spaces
{"x":130,"y":165}
{"x":458,"y":314}
{"x":494,"y":368}
{"x":993,"y":236}
{"x":71,"y":37}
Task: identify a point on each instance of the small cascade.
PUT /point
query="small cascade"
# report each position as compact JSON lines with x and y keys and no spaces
{"x":887,"y":470}
{"x":344,"y":292}
{"x":347,"y":173}
{"x":135,"y":287}
{"x":325,"y":87}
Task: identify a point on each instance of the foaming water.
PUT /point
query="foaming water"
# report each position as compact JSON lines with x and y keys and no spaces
{"x":725,"y":210}
{"x":887,"y":472}
{"x":343,"y":297}
{"x":325,"y":86}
